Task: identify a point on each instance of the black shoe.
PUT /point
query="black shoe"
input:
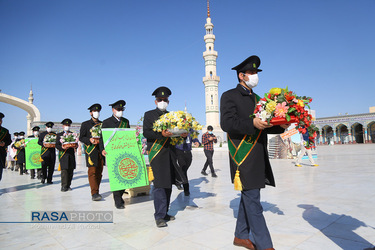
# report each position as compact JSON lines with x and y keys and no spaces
{"x":187,"y":193}
{"x":169,"y":217}
{"x":69,"y":189}
{"x":49,"y":182}
{"x":204,"y":172}
{"x":21,"y":173}
{"x":32,"y":177}
{"x":96,"y":197}
{"x":214,"y":175}
{"x":43,"y":181}
{"x":26,"y":172}
{"x":161,"y":223}
{"x":64,"y":189}
{"x":120,"y":207}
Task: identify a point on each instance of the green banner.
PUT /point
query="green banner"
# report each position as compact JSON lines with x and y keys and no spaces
{"x":32,"y":153}
{"x":125,"y":163}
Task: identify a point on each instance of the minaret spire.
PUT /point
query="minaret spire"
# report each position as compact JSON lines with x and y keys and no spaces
{"x":208,"y":8}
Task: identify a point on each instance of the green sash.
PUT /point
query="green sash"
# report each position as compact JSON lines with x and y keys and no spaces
{"x":156,"y":147}
{"x":89,"y":149}
{"x":123,"y":124}
{"x":3,"y":133}
{"x":61,"y":154}
{"x":240,"y":153}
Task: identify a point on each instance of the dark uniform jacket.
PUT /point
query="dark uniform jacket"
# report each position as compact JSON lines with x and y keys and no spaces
{"x":84,"y":137}
{"x":21,"y":157}
{"x":4,"y":137}
{"x":50,"y":155}
{"x":164,"y":165}
{"x":235,"y":108}
{"x":112,"y":122}
{"x":68,"y":160}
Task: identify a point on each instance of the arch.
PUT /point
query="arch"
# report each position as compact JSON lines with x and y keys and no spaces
{"x":342,"y":133}
{"x":327,"y":137}
{"x":371,"y":131}
{"x":31,"y":109}
{"x":357,"y":132}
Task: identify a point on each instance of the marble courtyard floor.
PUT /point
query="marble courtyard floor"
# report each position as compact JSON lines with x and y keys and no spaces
{"x":327,"y":207}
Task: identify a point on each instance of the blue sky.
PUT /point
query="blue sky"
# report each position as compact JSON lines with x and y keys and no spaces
{"x":78,"y":52}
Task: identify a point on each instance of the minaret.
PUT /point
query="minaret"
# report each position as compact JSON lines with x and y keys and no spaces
{"x":28,"y":117}
{"x":211,"y":80}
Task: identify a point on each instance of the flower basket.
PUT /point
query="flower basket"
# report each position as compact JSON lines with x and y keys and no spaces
{"x":279,"y":121}
{"x":177,"y":132}
{"x":177,"y":122}
{"x":96,"y":139}
{"x":49,"y":144}
{"x":70,"y":144}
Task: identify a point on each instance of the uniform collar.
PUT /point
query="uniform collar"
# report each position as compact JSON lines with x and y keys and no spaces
{"x":243,"y":90}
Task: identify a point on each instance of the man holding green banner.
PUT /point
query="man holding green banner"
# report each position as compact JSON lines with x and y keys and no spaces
{"x":115,"y":121}
{"x":32,"y":151}
{"x":249,"y":164}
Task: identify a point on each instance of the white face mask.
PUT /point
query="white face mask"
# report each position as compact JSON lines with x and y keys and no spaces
{"x":49,"y":130}
{"x":162,"y":105}
{"x":21,"y":137}
{"x":66,"y":128}
{"x":36,"y":133}
{"x":253,"y":81}
{"x":118,"y":114}
{"x":95,"y":114}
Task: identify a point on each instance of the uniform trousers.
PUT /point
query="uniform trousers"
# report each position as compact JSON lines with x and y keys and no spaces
{"x":48,"y":167}
{"x":209,"y":154}
{"x":66,"y":177}
{"x":250,"y":219}
{"x":162,"y":199}
{"x":184,"y":159}
{"x":117,"y":196}
{"x":95,"y":177}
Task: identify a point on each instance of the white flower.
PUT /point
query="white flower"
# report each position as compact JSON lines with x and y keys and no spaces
{"x":264,"y":115}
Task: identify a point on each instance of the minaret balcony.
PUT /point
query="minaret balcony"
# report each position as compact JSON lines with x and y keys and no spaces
{"x":210,"y":53}
{"x":211,"y":78}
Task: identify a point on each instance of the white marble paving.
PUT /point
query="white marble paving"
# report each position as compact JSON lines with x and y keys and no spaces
{"x":326,"y":207}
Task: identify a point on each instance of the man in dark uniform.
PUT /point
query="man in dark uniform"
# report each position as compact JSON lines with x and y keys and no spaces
{"x":5,"y":141}
{"x":252,"y":159}
{"x":116,"y":121}
{"x":47,"y":155}
{"x":67,"y":157}
{"x":35,"y":135}
{"x":162,"y":157}
{"x":19,"y":144}
{"x":94,"y":158}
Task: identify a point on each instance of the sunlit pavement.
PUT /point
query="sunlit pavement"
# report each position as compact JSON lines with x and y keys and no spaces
{"x":326,"y":207}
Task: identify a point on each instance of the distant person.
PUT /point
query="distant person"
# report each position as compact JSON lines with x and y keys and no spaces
{"x":35,"y":135}
{"x":5,"y":141}
{"x":305,"y":148}
{"x":47,"y":154}
{"x":249,"y":163}
{"x":116,"y":121}
{"x":208,"y":140}
{"x":184,"y":159}
{"x":67,"y":158}
{"x":94,"y":158}
{"x":162,"y":157}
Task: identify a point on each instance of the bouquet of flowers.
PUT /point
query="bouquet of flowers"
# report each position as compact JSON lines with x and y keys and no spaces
{"x":281,"y":106}
{"x":49,"y":141}
{"x":20,"y":144}
{"x":177,"y":122}
{"x":96,"y":131}
{"x":69,"y":139}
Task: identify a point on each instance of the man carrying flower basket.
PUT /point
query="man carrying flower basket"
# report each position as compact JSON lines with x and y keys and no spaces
{"x":89,"y":134}
{"x":249,"y":164}
{"x":47,"y":140}
{"x":66,"y":143}
{"x":162,"y":157}
{"x":20,"y":158}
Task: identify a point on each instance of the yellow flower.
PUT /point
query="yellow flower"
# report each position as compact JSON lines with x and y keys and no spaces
{"x":275,"y":91}
{"x":270,"y":106}
{"x":300,"y":103}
